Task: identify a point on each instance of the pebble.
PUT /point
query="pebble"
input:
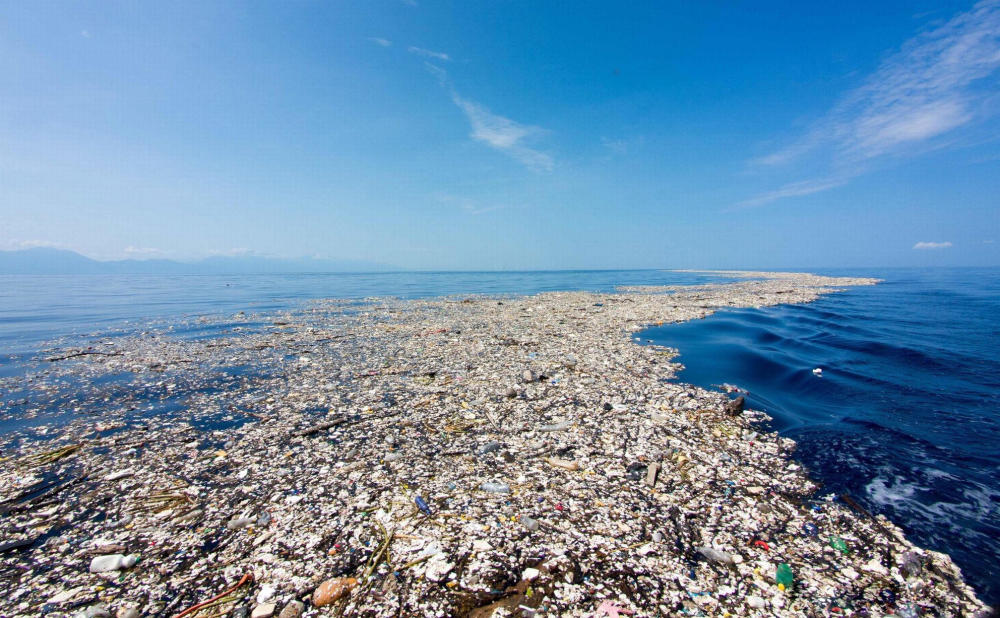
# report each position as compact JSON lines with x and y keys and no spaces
{"x":489,"y":447}
{"x":264,"y":610}
{"x":129,"y":611}
{"x":332,"y":589}
{"x":242,"y":522}
{"x":294,"y":609}
{"x":756,"y":602}
{"x":95,"y":611}
{"x":266,"y":594}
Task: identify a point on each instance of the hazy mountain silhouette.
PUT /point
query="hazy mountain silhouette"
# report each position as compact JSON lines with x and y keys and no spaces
{"x":46,"y":261}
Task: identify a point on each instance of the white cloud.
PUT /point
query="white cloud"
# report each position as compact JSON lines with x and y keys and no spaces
{"x":237,"y":252}
{"x":508,"y":136}
{"x":143,"y":252}
{"x":504,"y":134}
{"x":439,"y":73}
{"x":85,"y":34}
{"x":932,"y":245}
{"x":931,"y":86}
{"x":427,"y":53}
{"x":15,"y":244}
{"x":794,"y":189}
{"x":380,"y":41}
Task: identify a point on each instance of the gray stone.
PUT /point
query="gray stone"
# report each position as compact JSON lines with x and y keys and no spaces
{"x":95,"y":611}
{"x":294,"y":609}
{"x":264,"y":610}
{"x":651,"y":472}
{"x":489,"y":447}
{"x":242,"y":522}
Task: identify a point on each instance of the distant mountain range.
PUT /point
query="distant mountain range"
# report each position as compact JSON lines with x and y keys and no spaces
{"x":46,"y":261}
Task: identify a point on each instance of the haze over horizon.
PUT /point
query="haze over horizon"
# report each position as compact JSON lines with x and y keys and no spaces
{"x":428,"y":135}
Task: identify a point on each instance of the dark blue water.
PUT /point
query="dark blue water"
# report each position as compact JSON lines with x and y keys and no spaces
{"x":906,"y":414}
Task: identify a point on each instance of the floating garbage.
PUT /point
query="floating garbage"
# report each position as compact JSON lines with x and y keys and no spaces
{"x":783,"y":576}
{"x":298,"y":455}
{"x":495,"y":488}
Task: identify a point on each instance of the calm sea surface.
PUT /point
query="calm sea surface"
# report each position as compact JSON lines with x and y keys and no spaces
{"x":904,"y":418}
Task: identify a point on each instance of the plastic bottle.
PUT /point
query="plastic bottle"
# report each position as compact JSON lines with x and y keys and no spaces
{"x":838,"y":543}
{"x":423,"y":506}
{"x":112,"y":562}
{"x":495,"y":488}
{"x":783,"y":576}
{"x":714,"y":555}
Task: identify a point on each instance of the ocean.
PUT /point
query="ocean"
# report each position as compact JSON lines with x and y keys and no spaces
{"x":902,"y":417}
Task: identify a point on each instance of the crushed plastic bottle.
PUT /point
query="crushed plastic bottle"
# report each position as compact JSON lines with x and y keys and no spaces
{"x":715,"y":555}
{"x":556,"y":426}
{"x":839,"y":544}
{"x":495,"y":488}
{"x":810,"y":529}
{"x":907,"y":611}
{"x":112,"y":562}
{"x":783,"y":576}
{"x":423,"y":506}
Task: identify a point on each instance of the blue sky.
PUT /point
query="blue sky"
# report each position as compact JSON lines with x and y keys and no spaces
{"x":505,"y":135}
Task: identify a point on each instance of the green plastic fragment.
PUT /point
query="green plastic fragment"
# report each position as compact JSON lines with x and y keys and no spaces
{"x":838,"y":543}
{"x":784,"y":575}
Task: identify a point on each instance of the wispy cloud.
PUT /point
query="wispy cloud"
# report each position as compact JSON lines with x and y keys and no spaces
{"x":933,"y":85}
{"x":794,"y":189}
{"x":470,"y":206}
{"x":932,"y":245}
{"x":144,"y":252}
{"x":616,"y":146}
{"x":15,"y":244}
{"x":508,"y":136}
{"x":380,"y":41}
{"x":503,"y":134}
{"x":236,"y":252}
{"x":427,"y":53}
